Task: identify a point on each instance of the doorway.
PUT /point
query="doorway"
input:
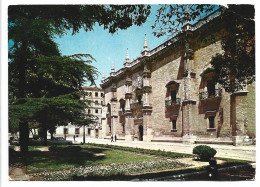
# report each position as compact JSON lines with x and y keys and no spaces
{"x":141,"y":132}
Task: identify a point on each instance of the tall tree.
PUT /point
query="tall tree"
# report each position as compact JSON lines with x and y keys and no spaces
{"x":39,"y":75}
{"x":236,"y":65}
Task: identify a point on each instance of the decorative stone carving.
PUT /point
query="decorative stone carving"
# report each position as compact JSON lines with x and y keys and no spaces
{"x":139,"y":81}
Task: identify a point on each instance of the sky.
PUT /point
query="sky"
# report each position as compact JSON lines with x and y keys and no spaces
{"x":109,"y":48}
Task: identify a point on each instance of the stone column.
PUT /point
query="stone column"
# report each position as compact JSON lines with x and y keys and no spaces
{"x":129,"y":120}
{"x":147,"y":125}
{"x":147,"y":108}
{"x":189,"y":101}
{"x":104,"y":122}
{"x":129,"y":126}
{"x":239,"y":116}
{"x":114,"y":111}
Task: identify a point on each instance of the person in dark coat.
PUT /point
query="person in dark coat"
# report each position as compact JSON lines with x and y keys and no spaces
{"x":112,"y":140}
{"x":115,"y":138}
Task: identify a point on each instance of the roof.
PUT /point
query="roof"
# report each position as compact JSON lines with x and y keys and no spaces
{"x":92,"y":88}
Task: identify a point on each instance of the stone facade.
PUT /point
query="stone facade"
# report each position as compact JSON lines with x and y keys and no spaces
{"x":170,"y":94}
{"x":96,"y":107}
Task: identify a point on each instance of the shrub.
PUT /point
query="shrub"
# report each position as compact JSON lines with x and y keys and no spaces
{"x":204,"y":152}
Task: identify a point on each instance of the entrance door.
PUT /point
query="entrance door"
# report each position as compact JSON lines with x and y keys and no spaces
{"x":96,"y":133}
{"x":141,"y":132}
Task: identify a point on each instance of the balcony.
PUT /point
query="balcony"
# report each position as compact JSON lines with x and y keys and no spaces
{"x":207,"y":95}
{"x":172,"y":103}
{"x":136,"y":105}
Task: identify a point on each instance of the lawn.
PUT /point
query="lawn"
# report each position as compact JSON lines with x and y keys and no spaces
{"x":39,"y":161}
{"x":101,"y":162}
{"x":90,"y":161}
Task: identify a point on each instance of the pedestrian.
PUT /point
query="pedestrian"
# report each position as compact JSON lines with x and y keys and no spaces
{"x":115,"y":138}
{"x":74,"y":137}
{"x":112,"y":138}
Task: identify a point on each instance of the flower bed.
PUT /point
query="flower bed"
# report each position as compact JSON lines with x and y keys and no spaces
{"x":109,"y":170}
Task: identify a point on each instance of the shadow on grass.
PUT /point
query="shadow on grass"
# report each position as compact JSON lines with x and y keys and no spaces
{"x":57,"y":160}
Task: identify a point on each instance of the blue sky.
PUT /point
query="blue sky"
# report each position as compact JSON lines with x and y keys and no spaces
{"x":107,"y":48}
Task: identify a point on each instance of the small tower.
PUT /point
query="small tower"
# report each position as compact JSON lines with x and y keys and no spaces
{"x":145,"y":50}
{"x":112,"y":73}
{"x":145,"y":44}
{"x":103,"y":77}
{"x":126,"y":59}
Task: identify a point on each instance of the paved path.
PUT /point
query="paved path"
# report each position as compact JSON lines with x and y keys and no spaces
{"x":226,"y":151}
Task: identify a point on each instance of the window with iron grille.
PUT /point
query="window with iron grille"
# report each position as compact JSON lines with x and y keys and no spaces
{"x":174,"y":124}
{"x":211,"y":122}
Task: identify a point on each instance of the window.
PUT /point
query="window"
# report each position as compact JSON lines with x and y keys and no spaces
{"x":110,"y":128}
{"x":174,"y":125}
{"x":76,"y":130}
{"x":102,"y":94}
{"x":96,"y":94}
{"x":89,"y":111}
{"x":139,"y":99}
{"x":123,"y":128}
{"x":173,"y":96}
{"x":211,"y":88}
{"x":102,"y":103}
{"x":65,"y":131}
{"x":96,"y":102}
{"x":89,"y":131}
{"x":96,"y":111}
{"x":90,"y":94}
{"x":211,"y":122}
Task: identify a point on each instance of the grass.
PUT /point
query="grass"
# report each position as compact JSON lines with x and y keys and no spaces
{"x":97,"y":155}
{"x":38,"y":161}
{"x":159,"y":153}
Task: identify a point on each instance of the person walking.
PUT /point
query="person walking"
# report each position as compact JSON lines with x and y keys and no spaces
{"x":115,"y":138}
{"x":112,"y":138}
{"x":74,"y":137}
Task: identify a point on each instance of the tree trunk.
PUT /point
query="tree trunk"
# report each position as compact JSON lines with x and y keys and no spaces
{"x":44,"y":134}
{"x":23,"y":127}
{"x":23,"y":137}
{"x":84,"y":135}
{"x":52,"y":136}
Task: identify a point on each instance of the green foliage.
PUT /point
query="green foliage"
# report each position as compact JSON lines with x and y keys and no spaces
{"x":170,"y":18}
{"x":204,"y":152}
{"x":76,"y":17}
{"x":44,"y":87}
{"x":235,"y":68}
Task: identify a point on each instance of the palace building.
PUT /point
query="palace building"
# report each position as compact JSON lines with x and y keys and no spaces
{"x":170,"y":93}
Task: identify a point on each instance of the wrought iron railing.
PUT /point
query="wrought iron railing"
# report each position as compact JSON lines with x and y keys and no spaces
{"x":135,"y":105}
{"x":173,"y":102}
{"x":208,"y":95}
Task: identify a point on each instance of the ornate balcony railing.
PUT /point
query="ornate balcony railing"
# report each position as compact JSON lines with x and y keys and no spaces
{"x":171,"y":103}
{"x":135,"y":105}
{"x":207,"y":95}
